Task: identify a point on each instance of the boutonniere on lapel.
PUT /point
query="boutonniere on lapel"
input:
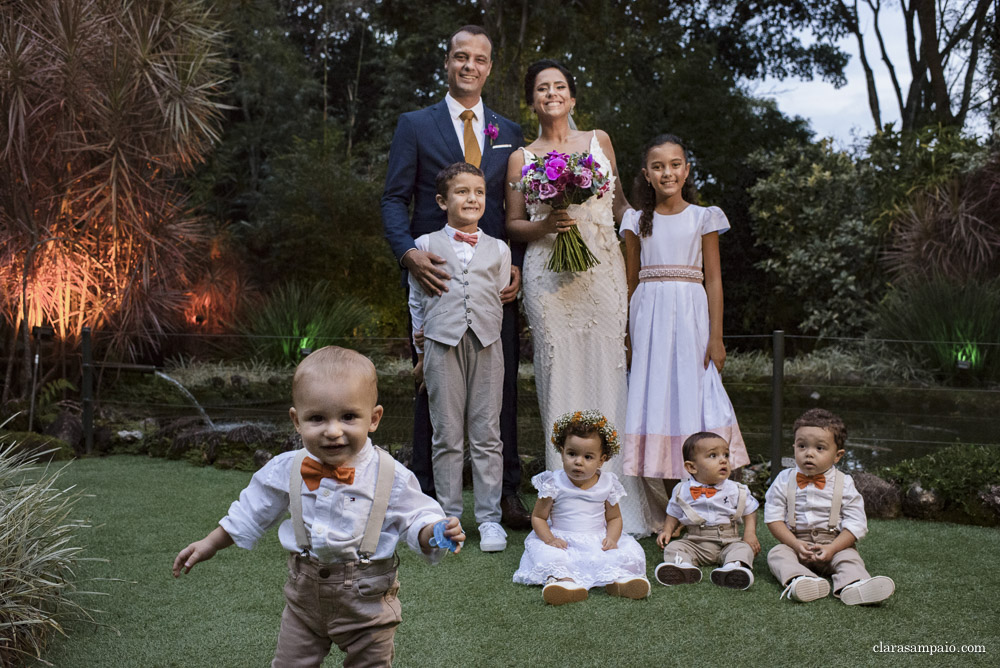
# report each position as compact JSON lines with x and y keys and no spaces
{"x":492,"y":132}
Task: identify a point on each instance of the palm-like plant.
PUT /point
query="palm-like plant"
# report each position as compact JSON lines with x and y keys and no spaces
{"x":104,"y":104}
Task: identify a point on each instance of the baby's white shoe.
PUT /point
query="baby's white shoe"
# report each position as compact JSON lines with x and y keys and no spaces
{"x":679,"y":572}
{"x":867,"y":592}
{"x":634,"y":588}
{"x":733,"y":575}
{"x":560,"y":592}
{"x":806,"y":588}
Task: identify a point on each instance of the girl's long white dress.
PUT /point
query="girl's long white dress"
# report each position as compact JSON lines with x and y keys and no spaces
{"x":578,"y":322}
{"x":577,"y":516}
{"x":670,"y":394}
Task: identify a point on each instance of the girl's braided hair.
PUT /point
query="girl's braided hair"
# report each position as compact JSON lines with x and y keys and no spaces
{"x":643,"y":193}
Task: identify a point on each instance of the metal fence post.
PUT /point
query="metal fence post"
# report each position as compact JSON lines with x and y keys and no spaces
{"x":777,"y":382}
{"x":88,"y":393}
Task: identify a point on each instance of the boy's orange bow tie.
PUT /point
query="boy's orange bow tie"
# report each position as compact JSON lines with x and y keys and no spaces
{"x":709,"y":492}
{"x":802,"y":480}
{"x":470,"y":239}
{"x":314,"y":471}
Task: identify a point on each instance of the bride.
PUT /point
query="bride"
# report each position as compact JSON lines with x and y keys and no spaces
{"x":578,"y":319}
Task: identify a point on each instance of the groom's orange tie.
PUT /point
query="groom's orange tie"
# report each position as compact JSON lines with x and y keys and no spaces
{"x":473,"y":155}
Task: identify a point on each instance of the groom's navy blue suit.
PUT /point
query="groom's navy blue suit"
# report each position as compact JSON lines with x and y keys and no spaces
{"x":425,"y":143}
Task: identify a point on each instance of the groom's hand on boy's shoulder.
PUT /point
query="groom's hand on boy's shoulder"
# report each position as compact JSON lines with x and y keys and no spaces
{"x":509,"y":293}
{"x":423,"y":266}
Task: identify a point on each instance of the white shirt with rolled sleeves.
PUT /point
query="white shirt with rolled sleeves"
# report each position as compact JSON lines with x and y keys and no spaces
{"x":334,"y":514}
{"x":812,"y":505}
{"x":716,"y":510}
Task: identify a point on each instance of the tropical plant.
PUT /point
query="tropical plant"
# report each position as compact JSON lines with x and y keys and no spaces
{"x":39,"y":556}
{"x":105,"y":103}
{"x":950,"y":230}
{"x":293,"y":317}
{"x":952,"y":326}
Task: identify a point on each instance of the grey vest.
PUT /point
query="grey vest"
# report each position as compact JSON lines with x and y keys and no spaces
{"x":473,"y":298}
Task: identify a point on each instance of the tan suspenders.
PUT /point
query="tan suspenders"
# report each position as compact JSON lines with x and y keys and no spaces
{"x":838,"y":497}
{"x":698,"y":520}
{"x":383,"y":489}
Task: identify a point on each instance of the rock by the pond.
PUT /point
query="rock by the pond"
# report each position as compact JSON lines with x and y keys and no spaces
{"x":883,"y":499}
{"x":922,"y":503}
{"x":991,"y":499}
{"x":68,"y":428}
{"x":217,"y":382}
{"x":238,"y":381}
{"x":247,"y":434}
{"x":129,"y":435}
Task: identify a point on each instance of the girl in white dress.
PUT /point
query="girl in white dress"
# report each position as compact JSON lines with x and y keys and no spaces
{"x":576,"y":540}
{"x":675,"y":324}
{"x":577,"y":319}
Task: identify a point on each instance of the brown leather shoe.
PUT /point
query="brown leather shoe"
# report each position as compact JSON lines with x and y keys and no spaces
{"x":513,"y":514}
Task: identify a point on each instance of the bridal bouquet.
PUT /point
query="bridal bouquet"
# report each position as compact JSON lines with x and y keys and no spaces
{"x":561,"y":179}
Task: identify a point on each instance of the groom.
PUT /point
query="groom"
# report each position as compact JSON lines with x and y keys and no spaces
{"x":458,"y":128}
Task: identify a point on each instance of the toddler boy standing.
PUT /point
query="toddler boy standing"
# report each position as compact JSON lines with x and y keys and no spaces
{"x":461,"y":358}
{"x":712,"y":507}
{"x":350,"y":504}
{"x":817,"y":515}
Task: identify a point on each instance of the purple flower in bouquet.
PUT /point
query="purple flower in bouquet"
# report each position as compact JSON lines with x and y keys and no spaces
{"x":554,"y":166}
{"x":527,"y":168}
{"x":584,"y":178}
{"x":492,"y":132}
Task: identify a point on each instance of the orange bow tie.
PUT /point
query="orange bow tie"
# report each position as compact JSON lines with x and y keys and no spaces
{"x":470,"y":239}
{"x":802,"y":480}
{"x":709,"y":492}
{"x":314,"y":471}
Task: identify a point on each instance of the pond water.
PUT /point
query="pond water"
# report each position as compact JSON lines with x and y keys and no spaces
{"x":885,"y":425}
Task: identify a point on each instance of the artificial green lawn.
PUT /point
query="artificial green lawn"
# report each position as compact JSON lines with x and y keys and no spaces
{"x":467,"y":612}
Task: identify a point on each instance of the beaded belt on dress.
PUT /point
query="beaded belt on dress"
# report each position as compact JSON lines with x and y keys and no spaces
{"x":671,"y":272}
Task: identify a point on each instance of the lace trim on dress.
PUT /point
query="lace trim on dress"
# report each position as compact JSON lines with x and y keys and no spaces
{"x":545,"y":483}
{"x":671,"y":272}
{"x":617,"y":489}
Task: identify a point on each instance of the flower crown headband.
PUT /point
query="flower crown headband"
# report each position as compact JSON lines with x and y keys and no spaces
{"x":591,"y":420}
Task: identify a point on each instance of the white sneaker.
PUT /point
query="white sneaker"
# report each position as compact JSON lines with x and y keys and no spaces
{"x":866,"y":592}
{"x":492,"y":537}
{"x":806,"y":588}
{"x":733,"y":575}
{"x":679,"y":572}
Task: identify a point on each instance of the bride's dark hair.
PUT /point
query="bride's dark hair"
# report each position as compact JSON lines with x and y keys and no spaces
{"x":643,"y":193}
{"x":545,"y":64}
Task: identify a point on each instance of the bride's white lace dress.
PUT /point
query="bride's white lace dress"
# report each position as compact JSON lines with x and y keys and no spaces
{"x":578,"y":322}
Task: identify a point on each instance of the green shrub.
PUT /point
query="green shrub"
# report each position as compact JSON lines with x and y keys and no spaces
{"x":38,"y":556}
{"x":294,"y":316}
{"x":952,"y":326}
{"x":958,"y":473}
{"x":32,"y":443}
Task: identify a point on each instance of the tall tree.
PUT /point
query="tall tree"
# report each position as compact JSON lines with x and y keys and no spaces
{"x":945,"y":40}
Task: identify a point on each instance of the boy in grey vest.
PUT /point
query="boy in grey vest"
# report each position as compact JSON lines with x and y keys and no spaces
{"x":350,"y":504}
{"x":712,"y":507}
{"x":460,"y":358}
{"x":817,"y":515}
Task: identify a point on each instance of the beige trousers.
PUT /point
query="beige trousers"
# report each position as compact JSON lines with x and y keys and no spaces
{"x":353,"y":606}
{"x":846,"y":566}
{"x":710,"y":545}
{"x":465,"y":389}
